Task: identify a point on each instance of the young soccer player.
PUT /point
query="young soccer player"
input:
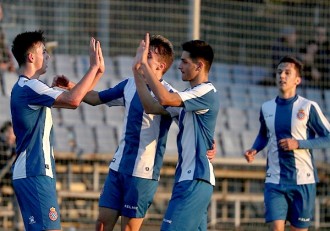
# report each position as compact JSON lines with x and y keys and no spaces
{"x":34,"y":179}
{"x":290,"y":125}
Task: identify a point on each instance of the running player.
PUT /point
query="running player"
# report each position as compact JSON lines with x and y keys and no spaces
{"x":290,"y":125}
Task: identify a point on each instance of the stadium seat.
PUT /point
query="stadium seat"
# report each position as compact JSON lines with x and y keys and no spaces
{"x":224,"y":94}
{"x":259,"y":73}
{"x":9,"y":79}
{"x":173,"y":74}
{"x":241,"y":74}
{"x":106,"y":139}
{"x":123,"y":66}
{"x":171,"y":144}
{"x":71,"y":117}
{"x":248,"y":138}
{"x":93,"y":115}
{"x":236,"y":118}
{"x":320,"y":155}
{"x":85,"y":139}
{"x":5,"y":114}
{"x":110,"y":77}
{"x":64,"y":139}
{"x":65,"y":64}
{"x":221,"y":120}
{"x":315,"y":95}
{"x":230,"y":144}
{"x":115,"y":117}
{"x":257,"y":95}
{"x":239,"y":97}
{"x":221,"y":73}
{"x":57,"y":116}
{"x":253,"y":115}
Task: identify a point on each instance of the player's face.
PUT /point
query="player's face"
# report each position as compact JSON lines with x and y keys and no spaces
{"x":41,"y":58}
{"x":153,"y":59}
{"x":287,"y":78}
{"x":188,"y":68}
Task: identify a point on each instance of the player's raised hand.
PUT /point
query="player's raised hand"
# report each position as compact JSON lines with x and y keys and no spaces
{"x":144,"y":55}
{"x":101,"y":59}
{"x":137,"y":59}
{"x":94,"y":59}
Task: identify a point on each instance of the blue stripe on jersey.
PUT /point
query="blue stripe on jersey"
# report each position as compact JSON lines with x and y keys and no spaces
{"x":283,"y":120}
{"x":132,"y":133}
{"x":165,"y":124}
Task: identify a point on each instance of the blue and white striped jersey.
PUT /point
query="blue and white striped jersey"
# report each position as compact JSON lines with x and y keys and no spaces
{"x":32,"y":122}
{"x":296,"y":118}
{"x":142,"y":145}
{"x":197,"y":120}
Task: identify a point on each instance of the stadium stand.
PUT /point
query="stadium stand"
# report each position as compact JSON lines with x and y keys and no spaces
{"x":5,"y":109}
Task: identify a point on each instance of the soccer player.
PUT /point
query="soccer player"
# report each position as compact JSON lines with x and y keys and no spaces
{"x":291,"y":126}
{"x":196,"y":110}
{"x":34,"y":179}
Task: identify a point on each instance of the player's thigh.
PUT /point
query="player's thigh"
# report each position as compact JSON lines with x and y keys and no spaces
{"x":37,"y":199}
{"x":276,"y":204}
{"x":188,"y":206}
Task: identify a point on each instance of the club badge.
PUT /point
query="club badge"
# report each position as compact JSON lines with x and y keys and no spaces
{"x":301,"y":114}
{"x":52,"y":214}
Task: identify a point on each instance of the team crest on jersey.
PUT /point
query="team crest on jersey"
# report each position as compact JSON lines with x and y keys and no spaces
{"x":301,"y":114}
{"x":52,"y":214}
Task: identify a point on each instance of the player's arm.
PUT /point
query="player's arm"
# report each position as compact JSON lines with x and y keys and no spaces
{"x":73,"y":97}
{"x":260,"y":142}
{"x":91,"y":98}
{"x":319,"y":123}
{"x":164,"y":97}
{"x":150,"y":105}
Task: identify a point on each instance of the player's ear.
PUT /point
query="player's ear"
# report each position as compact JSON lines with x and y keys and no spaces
{"x":200,"y":65}
{"x":298,"y":80}
{"x":162,"y":66}
{"x":30,"y":57}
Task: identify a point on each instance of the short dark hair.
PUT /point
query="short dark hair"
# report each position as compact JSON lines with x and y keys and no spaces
{"x":164,"y":48}
{"x":23,"y":42}
{"x":199,"y":49}
{"x":290,"y":59}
